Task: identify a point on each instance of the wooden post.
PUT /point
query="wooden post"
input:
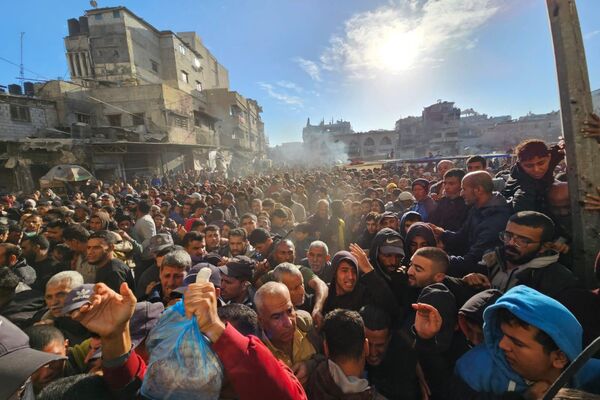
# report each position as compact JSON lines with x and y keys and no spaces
{"x":583,"y":154}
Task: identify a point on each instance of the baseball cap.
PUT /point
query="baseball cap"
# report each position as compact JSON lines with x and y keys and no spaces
{"x":156,"y":244}
{"x":406,"y":196}
{"x":240,"y":267}
{"x":17,"y":360}
{"x":213,"y":258}
{"x":78,"y":297}
{"x":387,"y":214}
{"x":392,"y":245}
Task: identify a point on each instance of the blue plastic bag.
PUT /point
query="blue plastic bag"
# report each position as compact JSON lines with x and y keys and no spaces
{"x":182,"y":365}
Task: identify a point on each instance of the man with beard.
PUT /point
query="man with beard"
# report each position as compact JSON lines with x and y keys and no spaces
{"x":238,"y":243}
{"x":487,"y":216}
{"x":35,"y":250}
{"x":54,"y":232}
{"x":318,"y":260}
{"x":194,"y":243}
{"x":526,"y":258}
{"x":109,"y":269}
{"x":235,"y":281}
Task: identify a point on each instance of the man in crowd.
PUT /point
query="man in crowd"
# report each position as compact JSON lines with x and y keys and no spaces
{"x":173,"y":269}
{"x":144,"y":227}
{"x":11,"y":256}
{"x":526,"y":257}
{"x":424,"y":203}
{"x":109,"y":269}
{"x":346,"y":348}
{"x":318,"y":260}
{"x":280,"y":333}
{"x":451,"y":210}
{"x":236,"y":276}
{"x":35,"y":250}
{"x":487,"y":216}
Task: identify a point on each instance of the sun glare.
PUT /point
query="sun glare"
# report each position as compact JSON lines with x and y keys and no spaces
{"x":398,"y":51}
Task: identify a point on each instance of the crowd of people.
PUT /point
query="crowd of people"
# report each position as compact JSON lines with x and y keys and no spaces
{"x":437,"y":282}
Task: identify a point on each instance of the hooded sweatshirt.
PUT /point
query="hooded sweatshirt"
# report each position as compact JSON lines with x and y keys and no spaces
{"x":479,"y":234}
{"x":405,"y":216}
{"x":544,"y":273}
{"x":370,"y":288}
{"x":418,"y":229}
{"x":485,"y":369}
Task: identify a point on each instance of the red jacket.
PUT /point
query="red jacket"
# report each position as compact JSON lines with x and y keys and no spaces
{"x":251,"y":368}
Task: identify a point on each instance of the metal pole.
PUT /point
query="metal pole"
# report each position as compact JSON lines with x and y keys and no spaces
{"x":583,"y":154}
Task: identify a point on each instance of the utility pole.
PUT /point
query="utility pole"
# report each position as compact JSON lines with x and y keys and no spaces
{"x":21,"y":67}
{"x":583,"y":154}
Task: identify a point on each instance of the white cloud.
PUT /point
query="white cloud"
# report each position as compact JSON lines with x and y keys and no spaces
{"x":281,"y":96}
{"x":403,"y":35}
{"x":290,"y":85}
{"x":591,"y":34}
{"x":310,"y":67}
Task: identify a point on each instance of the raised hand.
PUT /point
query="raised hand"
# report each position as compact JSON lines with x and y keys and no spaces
{"x":109,"y":312}
{"x":591,"y":126}
{"x":428,"y":320}
{"x":592,"y":203}
{"x":363,"y":261}
{"x":200,"y":299}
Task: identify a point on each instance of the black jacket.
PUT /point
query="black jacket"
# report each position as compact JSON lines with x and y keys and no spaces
{"x":479,"y":233}
{"x":114,"y":273}
{"x":526,"y":193}
{"x":450,"y":214}
{"x":370,"y":288}
{"x":24,"y":271}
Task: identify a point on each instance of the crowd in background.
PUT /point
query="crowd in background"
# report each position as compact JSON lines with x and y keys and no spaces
{"x":436,"y":281}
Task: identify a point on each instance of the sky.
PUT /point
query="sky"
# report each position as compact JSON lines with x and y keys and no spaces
{"x":369,"y":62}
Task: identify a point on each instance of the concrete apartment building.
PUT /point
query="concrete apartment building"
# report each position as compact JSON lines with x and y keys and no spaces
{"x":139,"y":102}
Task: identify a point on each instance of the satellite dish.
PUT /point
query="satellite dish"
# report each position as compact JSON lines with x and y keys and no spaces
{"x":93,"y":3}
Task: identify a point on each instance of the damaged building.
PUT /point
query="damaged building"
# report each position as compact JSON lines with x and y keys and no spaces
{"x":140,"y":101}
{"x":442,"y":129}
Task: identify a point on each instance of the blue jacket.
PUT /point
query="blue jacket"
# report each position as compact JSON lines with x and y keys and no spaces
{"x":479,"y":233}
{"x":485,"y":369}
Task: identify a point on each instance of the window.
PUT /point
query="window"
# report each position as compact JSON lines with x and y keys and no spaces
{"x":116,"y":14}
{"x":154,"y":65}
{"x":19,"y":113}
{"x":84,"y":118}
{"x":181,"y":122}
{"x":114,"y":119}
{"x":199,"y":86}
{"x":197,"y":64}
{"x":98,"y":17}
{"x":137,"y":119}
{"x":185,"y":77}
{"x":182,"y":49}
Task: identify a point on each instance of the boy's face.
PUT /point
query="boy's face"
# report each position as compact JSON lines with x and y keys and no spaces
{"x":536,"y":167}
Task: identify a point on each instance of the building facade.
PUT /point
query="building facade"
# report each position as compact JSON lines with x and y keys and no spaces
{"x":140,"y":101}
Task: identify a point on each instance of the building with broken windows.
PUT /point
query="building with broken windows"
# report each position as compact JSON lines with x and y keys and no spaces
{"x":140,"y":101}
{"x":442,"y":129}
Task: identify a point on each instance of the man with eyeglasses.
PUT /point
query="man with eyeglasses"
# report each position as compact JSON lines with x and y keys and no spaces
{"x":526,"y":258}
